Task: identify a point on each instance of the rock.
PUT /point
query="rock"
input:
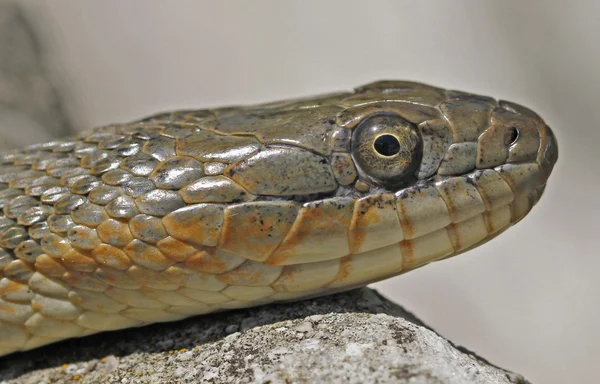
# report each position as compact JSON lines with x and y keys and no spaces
{"x":30,"y":107}
{"x":352,"y":337}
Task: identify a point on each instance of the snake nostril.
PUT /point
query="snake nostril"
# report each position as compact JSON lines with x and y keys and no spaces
{"x":511,"y":136}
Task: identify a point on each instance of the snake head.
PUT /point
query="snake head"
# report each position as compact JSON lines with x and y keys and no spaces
{"x":392,"y":164}
{"x":461,"y":167}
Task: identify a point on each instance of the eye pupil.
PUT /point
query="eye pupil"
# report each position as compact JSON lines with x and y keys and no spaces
{"x":387,"y":145}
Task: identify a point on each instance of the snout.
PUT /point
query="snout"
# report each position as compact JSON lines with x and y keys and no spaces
{"x":548,"y":152}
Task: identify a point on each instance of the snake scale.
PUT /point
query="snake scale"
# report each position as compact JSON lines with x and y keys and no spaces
{"x":191,"y":212}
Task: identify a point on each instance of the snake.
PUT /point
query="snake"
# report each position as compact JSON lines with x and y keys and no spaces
{"x":192,"y":212}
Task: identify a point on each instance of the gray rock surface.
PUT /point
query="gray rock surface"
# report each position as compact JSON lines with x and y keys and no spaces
{"x":352,"y":337}
{"x":30,"y":108}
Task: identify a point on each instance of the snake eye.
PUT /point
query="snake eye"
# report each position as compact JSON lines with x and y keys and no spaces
{"x":386,"y":149}
{"x":511,"y":136}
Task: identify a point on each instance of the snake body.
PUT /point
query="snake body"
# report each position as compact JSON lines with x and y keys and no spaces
{"x":191,"y":212}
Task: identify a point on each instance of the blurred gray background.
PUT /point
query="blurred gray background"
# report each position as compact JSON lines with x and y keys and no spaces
{"x":527,"y":301}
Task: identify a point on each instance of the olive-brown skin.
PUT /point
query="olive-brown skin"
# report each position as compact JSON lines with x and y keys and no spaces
{"x":191,"y":212}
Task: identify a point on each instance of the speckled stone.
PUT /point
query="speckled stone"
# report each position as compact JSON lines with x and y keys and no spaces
{"x":354,"y":337}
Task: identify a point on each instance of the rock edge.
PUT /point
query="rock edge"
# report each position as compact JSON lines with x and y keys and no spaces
{"x":351,"y":337}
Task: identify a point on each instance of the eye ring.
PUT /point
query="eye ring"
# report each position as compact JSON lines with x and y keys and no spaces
{"x":386,"y":145}
{"x":511,"y":136}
